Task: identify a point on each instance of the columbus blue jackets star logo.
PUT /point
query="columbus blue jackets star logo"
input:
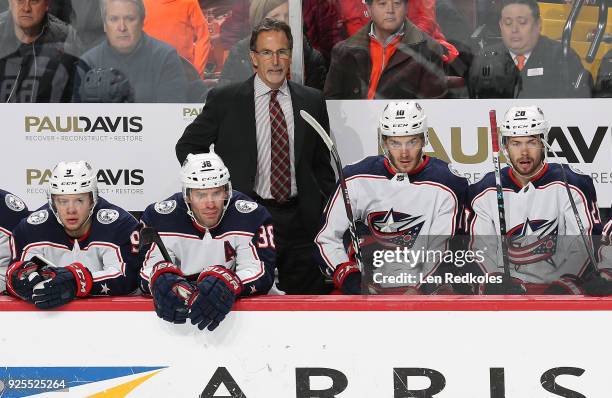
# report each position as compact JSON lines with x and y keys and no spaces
{"x":393,"y":228}
{"x":533,"y":241}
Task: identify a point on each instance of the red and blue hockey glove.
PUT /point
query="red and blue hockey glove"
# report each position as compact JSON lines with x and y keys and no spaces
{"x":172,"y":293}
{"x":347,"y":278}
{"x":218,"y":288}
{"x":62,"y":285}
{"x":21,"y":277}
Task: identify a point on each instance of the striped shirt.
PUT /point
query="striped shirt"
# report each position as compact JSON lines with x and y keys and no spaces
{"x":264,"y":135}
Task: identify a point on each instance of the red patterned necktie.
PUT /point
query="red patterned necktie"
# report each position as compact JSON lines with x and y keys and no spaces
{"x":280,"y":170}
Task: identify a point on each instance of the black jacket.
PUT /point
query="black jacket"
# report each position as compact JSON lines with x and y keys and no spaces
{"x":228,"y":121}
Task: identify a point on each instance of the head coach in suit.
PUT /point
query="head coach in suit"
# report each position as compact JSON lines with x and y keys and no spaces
{"x":272,"y":154}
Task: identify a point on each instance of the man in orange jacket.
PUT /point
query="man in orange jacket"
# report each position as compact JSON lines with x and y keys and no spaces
{"x":422,"y":13}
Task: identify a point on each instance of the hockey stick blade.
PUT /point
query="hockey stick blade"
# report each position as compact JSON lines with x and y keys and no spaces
{"x":149,"y":235}
{"x":43,"y":262}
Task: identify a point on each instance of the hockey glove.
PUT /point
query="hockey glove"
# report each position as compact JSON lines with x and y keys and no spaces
{"x":347,"y":278}
{"x":512,"y":286}
{"x":62,"y":286}
{"x":21,"y":278}
{"x":600,"y":284}
{"x":172,"y":293}
{"x":567,"y":284}
{"x":218,"y":288}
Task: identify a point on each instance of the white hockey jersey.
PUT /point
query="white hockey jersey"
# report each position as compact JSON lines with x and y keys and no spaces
{"x":418,"y":211}
{"x":242,"y":242}
{"x":12,"y":210}
{"x":109,"y":249}
{"x":544,"y":242}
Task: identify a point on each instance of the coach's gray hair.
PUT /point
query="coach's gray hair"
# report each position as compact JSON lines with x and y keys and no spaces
{"x":139,"y":4}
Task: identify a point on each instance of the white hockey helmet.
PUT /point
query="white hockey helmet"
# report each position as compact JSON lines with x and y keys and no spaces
{"x":521,"y":121}
{"x":202,"y":171}
{"x":68,"y":178}
{"x":403,"y":118}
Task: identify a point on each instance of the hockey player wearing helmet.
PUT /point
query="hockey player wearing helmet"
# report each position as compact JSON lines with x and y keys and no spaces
{"x":545,"y":249}
{"x":524,"y":132}
{"x":220,"y":241}
{"x":407,"y":200}
{"x":76,"y":245}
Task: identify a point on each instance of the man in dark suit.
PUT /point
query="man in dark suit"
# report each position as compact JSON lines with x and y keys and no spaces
{"x":272,"y":154}
{"x":544,"y":71}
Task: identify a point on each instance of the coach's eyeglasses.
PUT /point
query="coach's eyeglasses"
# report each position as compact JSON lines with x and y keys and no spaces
{"x":283,"y":53}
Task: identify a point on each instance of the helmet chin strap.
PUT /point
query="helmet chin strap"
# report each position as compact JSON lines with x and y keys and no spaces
{"x":194,"y":218}
{"x":59,"y":220}
{"x":386,"y":155}
{"x":529,"y":177}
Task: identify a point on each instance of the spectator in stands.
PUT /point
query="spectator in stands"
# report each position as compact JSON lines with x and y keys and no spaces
{"x":153,"y":68}
{"x":544,"y":71}
{"x":38,"y":60}
{"x":181,"y":24}
{"x":355,"y":15}
{"x":388,"y":58}
{"x":238,"y":66}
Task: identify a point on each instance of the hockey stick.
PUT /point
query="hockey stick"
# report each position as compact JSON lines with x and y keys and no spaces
{"x":150,"y":235}
{"x":501,"y":240}
{"x":345,"y":195}
{"x":574,"y":208}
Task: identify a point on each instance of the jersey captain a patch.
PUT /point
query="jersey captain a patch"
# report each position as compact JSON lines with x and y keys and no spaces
{"x":165,"y":207}
{"x":38,"y":217}
{"x":107,"y":216}
{"x":14,"y":203}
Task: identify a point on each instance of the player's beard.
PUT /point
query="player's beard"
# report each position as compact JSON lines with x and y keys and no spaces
{"x":536,"y":166}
